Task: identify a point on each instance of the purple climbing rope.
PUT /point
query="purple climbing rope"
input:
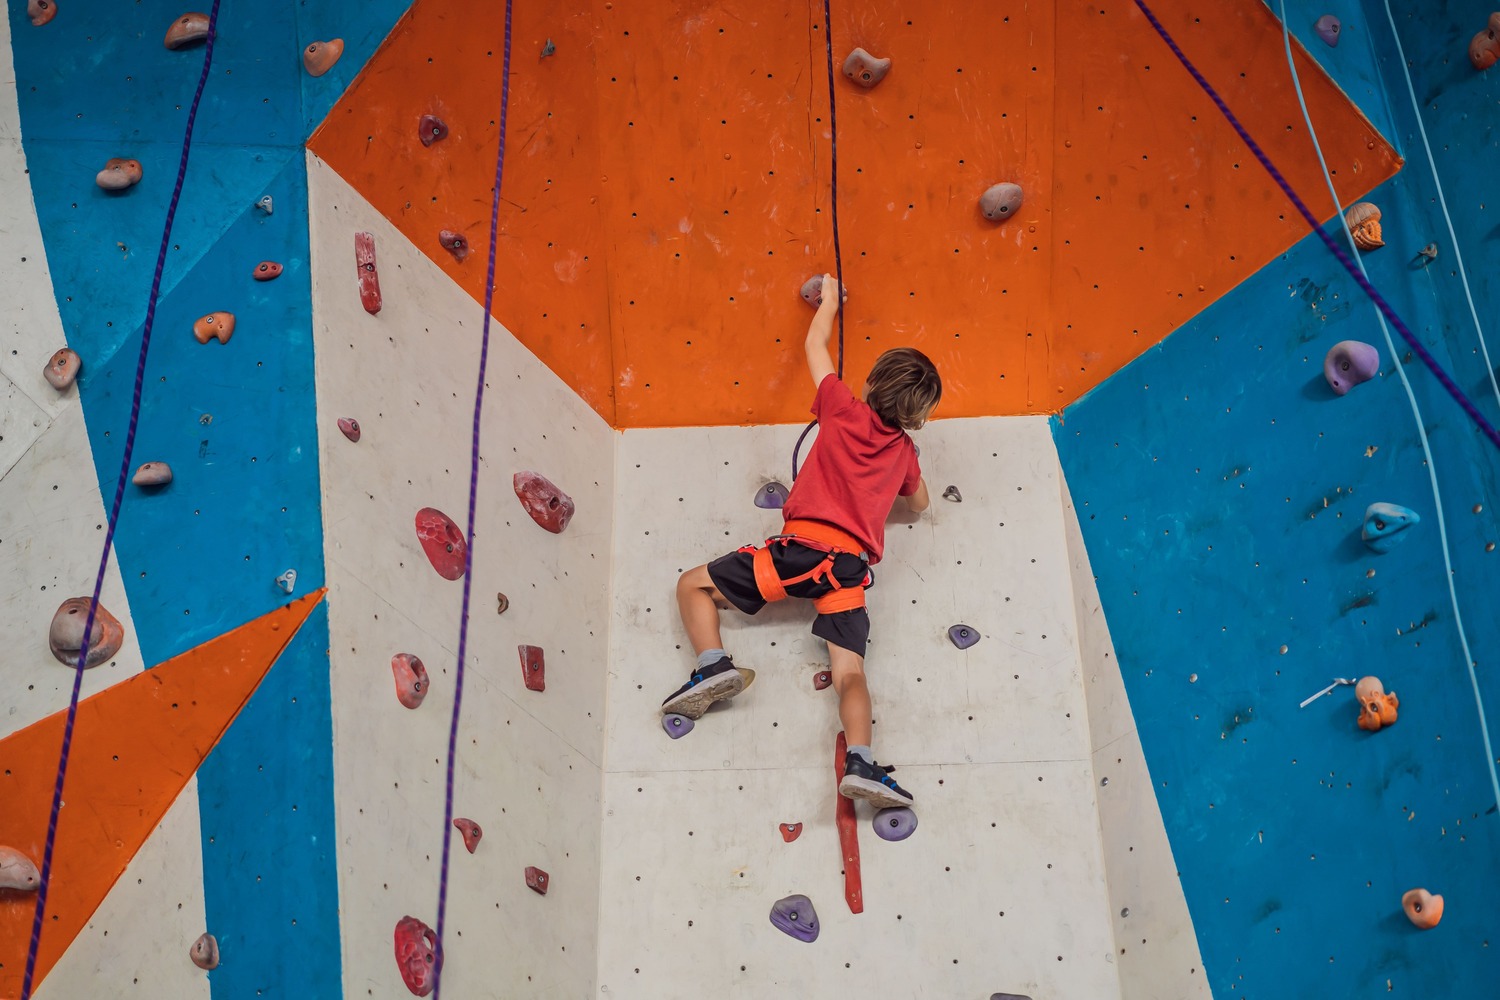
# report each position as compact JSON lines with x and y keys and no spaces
{"x":114,"y":516}
{"x":1328,"y":241}
{"x":833,"y":202}
{"x":463,"y":622}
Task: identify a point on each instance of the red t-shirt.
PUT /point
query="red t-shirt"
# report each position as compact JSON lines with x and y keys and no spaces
{"x":855,"y":470}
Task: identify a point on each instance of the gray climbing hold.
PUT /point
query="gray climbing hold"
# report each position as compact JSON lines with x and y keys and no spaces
{"x":548,"y":49}
{"x":1328,"y":28}
{"x":896,"y":823}
{"x":794,"y":915}
{"x":677,"y":726}
{"x":1348,"y":363}
{"x":265,"y":204}
{"x":1000,"y":202}
{"x":951,"y":493}
{"x":771,"y":496}
{"x":963,"y":636}
{"x":1385,"y":525}
{"x":287,"y":581}
{"x":865,"y":69}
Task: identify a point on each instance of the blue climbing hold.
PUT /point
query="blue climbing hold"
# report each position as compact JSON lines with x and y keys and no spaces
{"x":771,"y":496}
{"x":1385,"y":525}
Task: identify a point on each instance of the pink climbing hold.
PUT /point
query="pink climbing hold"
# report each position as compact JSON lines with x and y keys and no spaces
{"x":443,"y":542}
{"x":791,"y":831}
{"x":864,"y":69}
{"x":349,"y":427}
{"x":41,"y":11}
{"x":152,"y":474}
{"x":65,"y":636}
{"x":536,"y":880}
{"x":118,"y":174}
{"x":431,"y":129}
{"x":62,"y":369}
{"x":548,"y":506}
{"x":454,"y":243}
{"x":470,"y":830}
{"x":416,"y":955}
{"x":533,"y":667}
{"x":17,"y":871}
{"x":812,"y":291}
{"x":187,"y":30}
{"x":411,"y":679}
{"x":369,"y":278}
{"x":267,"y":270}
{"x":1000,"y":201}
{"x":215,"y":326}
{"x":205,"y":952}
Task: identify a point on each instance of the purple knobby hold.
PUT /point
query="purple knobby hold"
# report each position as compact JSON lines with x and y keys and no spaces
{"x":771,"y":496}
{"x":677,"y":726}
{"x":963,"y":636}
{"x":896,"y":823}
{"x":794,"y":915}
{"x":1348,"y":363}
{"x":1328,"y":28}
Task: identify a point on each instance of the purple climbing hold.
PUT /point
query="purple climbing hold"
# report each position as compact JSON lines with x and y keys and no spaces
{"x":1000,"y":202}
{"x":1327,"y":28}
{"x":1009,"y":996}
{"x":771,"y":496}
{"x":677,"y":726}
{"x":896,"y":823}
{"x":431,"y":129}
{"x":795,"y":916}
{"x":1348,"y":363}
{"x":963,"y":636}
{"x":812,"y":291}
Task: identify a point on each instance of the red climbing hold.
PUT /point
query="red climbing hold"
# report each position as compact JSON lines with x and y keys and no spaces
{"x":442,"y":541}
{"x":369,"y":278}
{"x":416,"y":955}
{"x":65,"y":637}
{"x":349,"y":427}
{"x":411,"y":679}
{"x":864,"y":69}
{"x":431,"y":129}
{"x":536,"y":880}
{"x":548,"y":506}
{"x":62,"y":369}
{"x":454,"y":243}
{"x":1484,"y":47}
{"x":848,"y":831}
{"x":41,"y":11}
{"x":187,"y":29}
{"x":791,"y":831}
{"x":821,"y":680}
{"x":471,"y":832}
{"x":533,"y":668}
{"x":267,"y":270}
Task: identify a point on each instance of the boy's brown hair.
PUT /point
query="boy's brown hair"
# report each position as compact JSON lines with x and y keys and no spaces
{"x":903,"y":388}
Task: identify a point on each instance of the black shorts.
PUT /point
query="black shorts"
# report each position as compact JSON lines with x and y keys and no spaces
{"x":734,"y":575}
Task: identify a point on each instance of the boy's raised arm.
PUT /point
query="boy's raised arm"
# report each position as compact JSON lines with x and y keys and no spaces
{"x":819,"y":361}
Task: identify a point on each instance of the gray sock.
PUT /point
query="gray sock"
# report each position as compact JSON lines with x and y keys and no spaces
{"x":863,"y":753}
{"x":709,"y":657}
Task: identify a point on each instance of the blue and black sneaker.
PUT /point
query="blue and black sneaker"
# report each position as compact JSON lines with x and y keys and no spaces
{"x":715,"y":682}
{"x":873,"y":783}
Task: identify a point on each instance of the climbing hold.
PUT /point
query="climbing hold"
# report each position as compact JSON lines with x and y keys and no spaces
{"x":1348,"y":363}
{"x":416,"y":955}
{"x":548,"y":506}
{"x":533,"y":667}
{"x":864,"y":69}
{"x":1363,"y":219}
{"x":411,"y":679}
{"x":1328,"y":28}
{"x":822,"y":679}
{"x":812,"y":291}
{"x":267,"y":270}
{"x":287,"y":581}
{"x":471,"y":832}
{"x":676,"y":726}
{"x":1008,"y":996}
{"x":791,"y":831}
{"x":17,"y":871}
{"x":536,"y":880}
{"x":186,"y":30}
{"x":963,"y":636}
{"x":431,"y":129}
{"x":1000,"y":201}
{"x":215,"y":326}
{"x":548,"y":49}
{"x":1428,"y":254}
{"x":1484,"y":48}
{"x":1376,"y":707}
{"x":771,"y":496}
{"x":319,"y":57}
{"x":118,"y":174}
{"x":896,"y":823}
{"x":503,"y":602}
{"x":152,"y":474}
{"x":443,"y":542}
{"x":454,"y":243}
{"x":795,"y":915}
{"x":65,"y":636}
{"x":951,"y":493}
{"x":369,"y":279}
{"x":265,"y":204}
{"x":41,"y":11}
{"x":62,"y":368}
{"x":1422,"y":908}
{"x":205,"y":952}
{"x":1385,"y":525}
{"x":350,"y":428}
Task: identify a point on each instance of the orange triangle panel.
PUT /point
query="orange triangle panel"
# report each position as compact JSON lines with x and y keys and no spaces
{"x":135,"y":745}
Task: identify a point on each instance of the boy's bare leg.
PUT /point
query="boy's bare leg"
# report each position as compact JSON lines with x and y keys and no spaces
{"x":855,"y":712}
{"x":699,"y":601}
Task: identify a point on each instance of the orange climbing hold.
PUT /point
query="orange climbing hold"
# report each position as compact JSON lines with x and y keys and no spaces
{"x":1422,"y":908}
{"x":187,"y":29}
{"x":41,"y":11}
{"x":215,"y":326}
{"x":319,"y":57}
{"x":118,"y":174}
{"x":1376,"y":707}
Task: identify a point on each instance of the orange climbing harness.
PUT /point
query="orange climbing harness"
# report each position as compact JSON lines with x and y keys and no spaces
{"x":824,"y":538}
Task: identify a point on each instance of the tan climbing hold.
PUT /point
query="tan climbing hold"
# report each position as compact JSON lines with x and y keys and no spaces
{"x":319,"y":57}
{"x":118,"y":174}
{"x":62,"y":369}
{"x":1376,"y":707}
{"x":152,"y":474}
{"x":216,"y":325}
{"x":41,"y":11}
{"x":1364,"y":225}
{"x":186,"y":30}
{"x":1422,"y":908}
{"x":17,"y":871}
{"x":864,"y":69}
{"x":65,"y":637}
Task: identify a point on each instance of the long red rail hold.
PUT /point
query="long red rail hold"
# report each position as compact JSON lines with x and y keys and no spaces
{"x":848,"y":832}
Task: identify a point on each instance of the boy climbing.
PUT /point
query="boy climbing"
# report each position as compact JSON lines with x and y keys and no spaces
{"x":861,"y":460}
